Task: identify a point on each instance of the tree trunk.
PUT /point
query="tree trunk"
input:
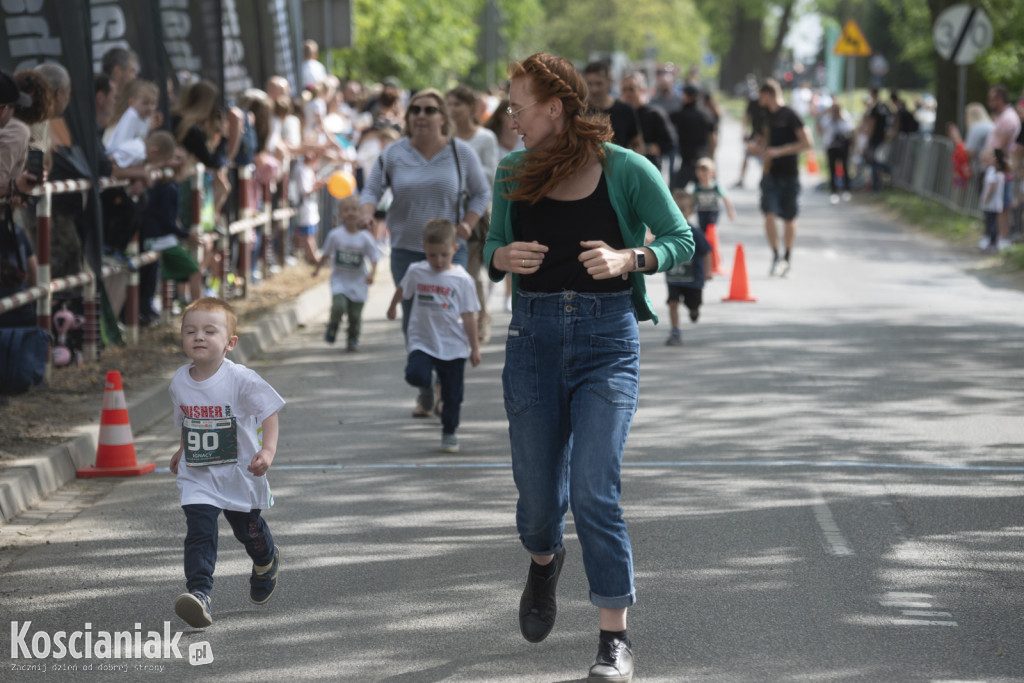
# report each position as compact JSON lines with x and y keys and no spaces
{"x":787,"y":15}
{"x":747,"y":53}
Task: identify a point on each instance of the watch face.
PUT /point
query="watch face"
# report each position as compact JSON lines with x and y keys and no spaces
{"x":641,"y":260}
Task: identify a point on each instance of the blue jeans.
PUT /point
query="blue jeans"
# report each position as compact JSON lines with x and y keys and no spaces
{"x":401,"y":259}
{"x":201,"y":542}
{"x":450,"y":375}
{"x":571,"y":381}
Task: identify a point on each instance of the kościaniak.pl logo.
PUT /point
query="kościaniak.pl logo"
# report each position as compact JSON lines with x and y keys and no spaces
{"x":89,"y":644}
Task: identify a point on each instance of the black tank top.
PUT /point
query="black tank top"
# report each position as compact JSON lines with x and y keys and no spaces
{"x":561,"y":226}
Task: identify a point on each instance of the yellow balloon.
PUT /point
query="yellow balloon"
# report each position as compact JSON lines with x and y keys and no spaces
{"x":341,"y":184}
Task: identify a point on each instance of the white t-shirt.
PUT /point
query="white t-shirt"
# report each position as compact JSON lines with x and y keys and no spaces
{"x":221,"y":418}
{"x":313,"y":72}
{"x":439,"y":300}
{"x":127,"y":143}
{"x":350,"y":253}
{"x":304,"y":178}
{"x":997,"y":181}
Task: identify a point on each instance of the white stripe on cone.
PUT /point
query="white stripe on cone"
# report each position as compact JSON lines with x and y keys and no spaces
{"x":114,"y":400}
{"x":115,"y":435}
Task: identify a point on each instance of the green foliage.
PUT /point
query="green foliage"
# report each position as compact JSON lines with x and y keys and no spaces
{"x":422,"y":43}
{"x":576,"y":30}
{"x":426,"y":44}
{"x":912,"y":21}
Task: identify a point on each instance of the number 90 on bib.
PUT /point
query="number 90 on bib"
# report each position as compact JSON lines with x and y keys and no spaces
{"x":210,"y":442}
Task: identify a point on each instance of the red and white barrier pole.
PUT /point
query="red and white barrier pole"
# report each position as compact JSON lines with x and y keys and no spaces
{"x":131,"y":304}
{"x":44,"y":308}
{"x":245,"y":209}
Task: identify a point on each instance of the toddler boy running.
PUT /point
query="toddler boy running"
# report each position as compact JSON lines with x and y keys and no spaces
{"x":229,"y":425}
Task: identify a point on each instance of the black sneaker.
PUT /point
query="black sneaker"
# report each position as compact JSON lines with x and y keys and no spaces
{"x":332,"y":334}
{"x":694,"y":315}
{"x":614,"y":662}
{"x":537,"y":608}
{"x":262,"y":584}
{"x":194,"y":609}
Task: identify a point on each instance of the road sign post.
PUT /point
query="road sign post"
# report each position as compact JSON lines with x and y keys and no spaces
{"x":961,"y":33}
{"x":851,"y":43}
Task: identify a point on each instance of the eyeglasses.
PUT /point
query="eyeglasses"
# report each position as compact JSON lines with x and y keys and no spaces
{"x":514,"y":115}
{"x":416,"y":110}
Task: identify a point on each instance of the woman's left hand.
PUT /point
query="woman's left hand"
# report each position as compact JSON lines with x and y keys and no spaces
{"x":602,"y":262}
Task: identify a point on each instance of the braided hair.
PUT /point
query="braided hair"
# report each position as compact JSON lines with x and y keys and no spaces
{"x":580,"y":142}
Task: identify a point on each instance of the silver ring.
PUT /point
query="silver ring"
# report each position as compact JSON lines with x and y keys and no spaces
{"x":524,"y":263}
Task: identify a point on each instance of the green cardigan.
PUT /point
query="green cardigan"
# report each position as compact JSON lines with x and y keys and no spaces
{"x":640,"y":199}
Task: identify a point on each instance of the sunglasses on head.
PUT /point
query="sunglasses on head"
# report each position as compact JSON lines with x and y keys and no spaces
{"x":429,"y":110}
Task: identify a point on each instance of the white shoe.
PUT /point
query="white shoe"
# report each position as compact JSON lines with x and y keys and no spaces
{"x":847,"y":196}
{"x":1003,"y":244}
{"x":833,"y":198}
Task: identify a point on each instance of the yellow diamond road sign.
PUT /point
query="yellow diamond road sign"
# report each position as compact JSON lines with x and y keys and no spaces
{"x":852,"y":43}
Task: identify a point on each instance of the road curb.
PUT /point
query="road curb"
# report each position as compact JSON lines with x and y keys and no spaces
{"x":33,"y":478}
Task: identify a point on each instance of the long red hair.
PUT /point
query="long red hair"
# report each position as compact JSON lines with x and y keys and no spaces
{"x":541,"y":171}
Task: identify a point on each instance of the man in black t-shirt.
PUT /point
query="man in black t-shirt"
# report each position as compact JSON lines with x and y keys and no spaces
{"x":753,"y":125}
{"x":657,"y":133}
{"x":782,"y":140}
{"x":625,"y":129}
{"x":693,"y":131}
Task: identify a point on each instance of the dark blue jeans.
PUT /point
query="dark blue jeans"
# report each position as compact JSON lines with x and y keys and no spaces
{"x":571,"y":383}
{"x":201,"y":542}
{"x":450,"y":375}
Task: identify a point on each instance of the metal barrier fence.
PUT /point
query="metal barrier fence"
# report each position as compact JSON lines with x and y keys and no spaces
{"x":924,"y":165}
{"x":251,"y":218}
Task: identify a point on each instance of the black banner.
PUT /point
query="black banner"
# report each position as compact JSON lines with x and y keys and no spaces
{"x":192,"y":39}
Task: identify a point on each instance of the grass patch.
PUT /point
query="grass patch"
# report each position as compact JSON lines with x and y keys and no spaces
{"x":932,"y":217}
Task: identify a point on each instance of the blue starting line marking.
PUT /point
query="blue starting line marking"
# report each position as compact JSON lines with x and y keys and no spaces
{"x":683,"y":464}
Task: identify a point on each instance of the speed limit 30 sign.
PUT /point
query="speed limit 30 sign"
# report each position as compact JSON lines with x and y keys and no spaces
{"x":961,"y":33}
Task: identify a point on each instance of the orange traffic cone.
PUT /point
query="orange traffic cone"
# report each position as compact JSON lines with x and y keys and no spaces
{"x":812,"y":162}
{"x":716,"y":260}
{"x":115,"y":452}
{"x":739,"y":289}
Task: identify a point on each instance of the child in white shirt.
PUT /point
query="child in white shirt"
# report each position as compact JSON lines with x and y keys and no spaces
{"x":307,"y":221}
{"x":353,"y":254}
{"x":126,"y":145}
{"x":442,"y":330}
{"x":228,"y":419}
{"x":992,"y":194}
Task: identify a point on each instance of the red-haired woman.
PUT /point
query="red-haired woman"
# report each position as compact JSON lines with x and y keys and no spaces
{"x":571,"y":213}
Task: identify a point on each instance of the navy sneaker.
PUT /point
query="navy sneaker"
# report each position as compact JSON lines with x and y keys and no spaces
{"x":331,"y":334}
{"x":262,"y":584}
{"x":194,"y":609}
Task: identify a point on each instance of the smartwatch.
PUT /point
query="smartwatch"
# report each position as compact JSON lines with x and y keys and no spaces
{"x":641,"y":258}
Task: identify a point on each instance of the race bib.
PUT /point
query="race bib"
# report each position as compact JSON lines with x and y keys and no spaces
{"x":681,"y":274}
{"x":210,"y":441}
{"x":348,"y":258}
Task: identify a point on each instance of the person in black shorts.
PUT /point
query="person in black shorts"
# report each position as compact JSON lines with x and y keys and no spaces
{"x":779,"y":146}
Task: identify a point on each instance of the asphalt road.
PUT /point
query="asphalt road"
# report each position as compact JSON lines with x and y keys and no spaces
{"x":824,"y":485}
